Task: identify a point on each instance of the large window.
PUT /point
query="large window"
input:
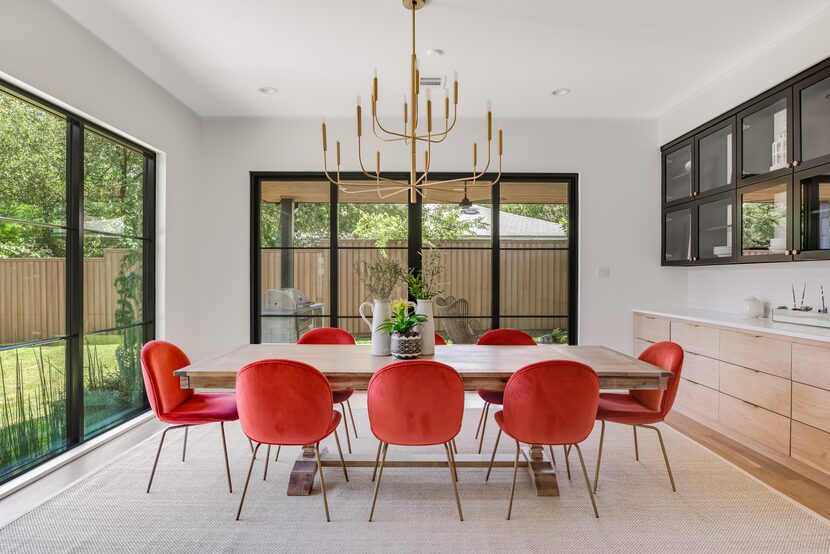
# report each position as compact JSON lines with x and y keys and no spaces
{"x":76,"y":259}
{"x":506,"y":254}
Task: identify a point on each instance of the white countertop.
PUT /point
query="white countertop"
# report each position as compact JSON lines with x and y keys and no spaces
{"x":738,"y":321}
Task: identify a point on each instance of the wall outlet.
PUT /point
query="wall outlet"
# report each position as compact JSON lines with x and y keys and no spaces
{"x":603,"y":272}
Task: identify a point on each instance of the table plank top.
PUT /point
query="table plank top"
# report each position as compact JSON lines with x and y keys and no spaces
{"x":479,"y":366}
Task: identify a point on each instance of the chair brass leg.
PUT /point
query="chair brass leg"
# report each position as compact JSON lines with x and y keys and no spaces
{"x":225,"y":450}
{"x":377,"y":461}
{"x":267,"y":459}
{"x":453,"y":479}
{"x":251,"y":444}
{"x":346,"y":425}
{"x":480,"y":419}
{"x":377,"y":485}
{"x":322,"y":480}
{"x":339,"y":451}
{"x":552,"y":457}
{"x":567,"y":450}
{"x":599,"y":455}
{"x":277,"y":457}
{"x":513,"y":487}
{"x":184,"y":445}
{"x":587,"y":481}
{"x":636,"y":446}
{"x":493,"y":457}
{"x":158,"y":452}
{"x":483,"y":427}
{"x":665,"y":455}
{"x":454,"y":446}
{"x":351,"y":416}
{"x":247,"y":480}
{"x":454,"y":469}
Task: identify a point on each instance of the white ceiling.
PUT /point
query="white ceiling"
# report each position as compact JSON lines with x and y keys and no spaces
{"x":621,"y":58}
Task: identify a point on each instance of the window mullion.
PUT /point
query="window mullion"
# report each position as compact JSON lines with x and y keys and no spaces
{"x":74,"y":282}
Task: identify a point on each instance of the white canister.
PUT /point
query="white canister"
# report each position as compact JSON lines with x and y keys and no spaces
{"x":753,"y":307}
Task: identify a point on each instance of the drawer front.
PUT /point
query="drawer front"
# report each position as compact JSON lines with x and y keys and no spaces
{"x":652,"y":329}
{"x":640,"y":345}
{"x":697,"y":401}
{"x":701,"y":370}
{"x":699,"y":339}
{"x":762,"y":426}
{"x":761,"y":389}
{"x":811,"y":365}
{"x":756,"y":352}
{"x":811,"y":406}
{"x":811,"y":446}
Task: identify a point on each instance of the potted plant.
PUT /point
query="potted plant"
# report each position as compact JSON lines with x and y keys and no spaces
{"x":423,"y":286}
{"x":379,"y":278}
{"x":401,"y":326}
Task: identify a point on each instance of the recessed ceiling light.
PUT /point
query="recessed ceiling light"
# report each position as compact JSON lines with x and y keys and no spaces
{"x":561,"y":92}
{"x":435,"y":52}
{"x":268,"y":90}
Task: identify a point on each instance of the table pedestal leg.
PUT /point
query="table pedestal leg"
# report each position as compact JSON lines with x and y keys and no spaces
{"x":541,"y":471}
{"x":302,"y":474}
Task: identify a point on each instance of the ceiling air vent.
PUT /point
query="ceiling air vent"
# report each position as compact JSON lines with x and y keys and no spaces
{"x":433,"y":81}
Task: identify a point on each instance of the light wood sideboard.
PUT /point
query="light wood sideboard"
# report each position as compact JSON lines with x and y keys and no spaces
{"x":770,"y":391}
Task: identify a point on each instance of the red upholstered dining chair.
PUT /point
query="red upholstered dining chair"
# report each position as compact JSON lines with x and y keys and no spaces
{"x":644,"y":408}
{"x":416,"y":403}
{"x":286,"y":403}
{"x":180,"y":407}
{"x":439,"y":340}
{"x":549,"y":403}
{"x":333,"y":335}
{"x":497,"y":337}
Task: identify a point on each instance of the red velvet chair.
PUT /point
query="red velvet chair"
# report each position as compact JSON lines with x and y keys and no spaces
{"x":416,"y":403}
{"x":286,"y":403}
{"x":549,"y":403}
{"x":439,"y":340}
{"x":180,"y":407}
{"x":643,"y":408}
{"x":497,"y":337}
{"x":333,"y":335}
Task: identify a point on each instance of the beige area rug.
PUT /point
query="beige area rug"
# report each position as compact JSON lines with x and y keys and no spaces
{"x":717,"y":508}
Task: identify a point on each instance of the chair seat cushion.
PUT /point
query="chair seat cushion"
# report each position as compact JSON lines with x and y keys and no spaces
{"x":204,"y":408}
{"x":341,"y":395}
{"x":492,"y":396}
{"x":624,"y":408}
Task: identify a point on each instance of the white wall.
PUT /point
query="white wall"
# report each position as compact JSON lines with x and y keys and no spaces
{"x":42,"y":47}
{"x":619,"y":171}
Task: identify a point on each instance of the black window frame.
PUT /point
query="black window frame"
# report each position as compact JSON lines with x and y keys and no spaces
{"x":74,"y":227}
{"x":414,"y":239}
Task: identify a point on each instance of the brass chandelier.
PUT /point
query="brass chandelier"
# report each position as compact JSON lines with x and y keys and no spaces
{"x":410,"y":136}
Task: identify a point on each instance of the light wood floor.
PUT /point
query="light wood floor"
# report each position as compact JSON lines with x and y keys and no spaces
{"x":781,"y":478}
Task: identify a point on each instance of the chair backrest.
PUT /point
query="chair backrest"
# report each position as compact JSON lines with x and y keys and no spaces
{"x":283,"y":402}
{"x":416,"y":403}
{"x":159,"y":359}
{"x":326,"y":335}
{"x":506,"y":337}
{"x":668,"y":356}
{"x":551,"y":402}
{"x":439,"y":340}
{"x":454,"y":311}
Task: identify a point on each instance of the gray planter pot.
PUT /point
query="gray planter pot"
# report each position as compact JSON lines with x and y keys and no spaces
{"x":406,"y":347}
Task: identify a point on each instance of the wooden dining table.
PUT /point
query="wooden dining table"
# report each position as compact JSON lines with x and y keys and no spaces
{"x":479,"y":367}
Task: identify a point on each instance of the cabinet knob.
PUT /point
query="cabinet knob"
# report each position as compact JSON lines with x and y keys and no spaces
{"x":795,"y":163}
{"x":695,"y":193}
{"x":786,"y":252}
{"x":694,"y":258}
{"x":796,"y":251}
{"x":788,"y":165}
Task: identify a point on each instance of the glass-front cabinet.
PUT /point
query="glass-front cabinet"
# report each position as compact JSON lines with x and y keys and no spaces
{"x":677,"y":174}
{"x":764,"y":227}
{"x":812,"y":214}
{"x":716,"y":159}
{"x":765,"y":146}
{"x":812,"y":124}
{"x":677,"y":236}
{"x":715,"y":229}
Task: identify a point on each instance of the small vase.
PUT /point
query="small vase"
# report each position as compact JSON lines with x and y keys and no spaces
{"x":427,"y":328}
{"x":406,"y":347}
{"x":381,"y":311}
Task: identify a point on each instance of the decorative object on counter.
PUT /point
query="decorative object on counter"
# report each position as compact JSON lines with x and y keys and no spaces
{"x":803,"y":314}
{"x":803,"y":292}
{"x":823,"y":309}
{"x":379,"y":278}
{"x":779,"y":144}
{"x":401,"y":326}
{"x":424,"y":285}
{"x":753,"y":307}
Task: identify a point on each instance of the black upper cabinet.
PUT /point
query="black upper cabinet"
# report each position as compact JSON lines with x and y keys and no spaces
{"x":715,"y":229}
{"x":765,"y":146}
{"x":811,"y":98}
{"x":812,"y":214}
{"x":716,"y":169}
{"x":678,"y":177}
{"x":678,"y":246}
{"x":765,"y":220}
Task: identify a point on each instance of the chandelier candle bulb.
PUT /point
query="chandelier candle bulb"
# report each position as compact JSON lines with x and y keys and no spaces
{"x":375,"y":86}
{"x":323,"y":125}
{"x":475,"y":155}
{"x":338,"y":154}
{"x":359,"y":114}
{"x":429,"y":111}
{"x":446,"y":104}
{"x":377,"y":162}
{"x":500,"y":142}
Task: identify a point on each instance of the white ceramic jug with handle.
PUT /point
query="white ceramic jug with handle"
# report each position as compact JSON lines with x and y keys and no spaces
{"x":381,"y":311}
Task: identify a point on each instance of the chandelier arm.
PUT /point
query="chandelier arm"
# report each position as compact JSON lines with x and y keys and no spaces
{"x":400,"y":136}
{"x":474,"y":176}
{"x":374,"y":177}
{"x":443,"y":134}
{"x":384,"y":139}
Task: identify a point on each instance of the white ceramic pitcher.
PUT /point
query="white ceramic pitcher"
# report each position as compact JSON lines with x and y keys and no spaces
{"x":381,"y":311}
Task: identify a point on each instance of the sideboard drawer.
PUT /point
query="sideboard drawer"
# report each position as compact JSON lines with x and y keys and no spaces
{"x":640,"y":345}
{"x":763,"y":426}
{"x":811,"y":406}
{"x":761,"y":389}
{"x":811,"y":365}
{"x":696,"y":338}
{"x":756,"y":352}
{"x":701,"y":370}
{"x":811,"y":446}
{"x":697,"y":401}
{"x":652,"y":329}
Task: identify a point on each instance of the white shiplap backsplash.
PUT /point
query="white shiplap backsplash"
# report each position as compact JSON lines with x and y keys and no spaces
{"x":724,"y":288}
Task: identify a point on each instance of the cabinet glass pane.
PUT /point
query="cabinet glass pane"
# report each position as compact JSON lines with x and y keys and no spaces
{"x":765,"y":140}
{"x":815,"y":213}
{"x":715,"y":160}
{"x":715,"y":229}
{"x":815,"y":120}
{"x":678,"y":235}
{"x":764,"y":220}
{"x":679,"y":174}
